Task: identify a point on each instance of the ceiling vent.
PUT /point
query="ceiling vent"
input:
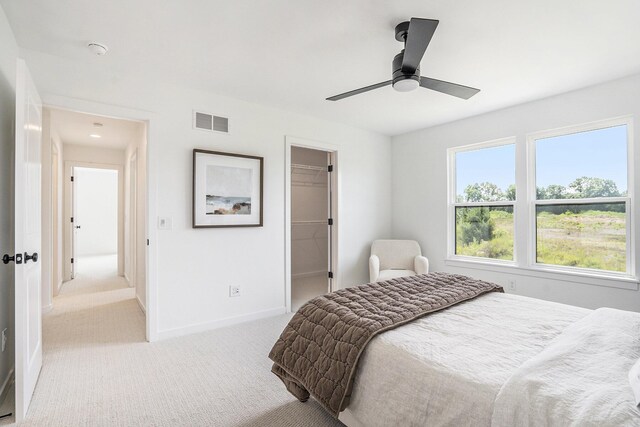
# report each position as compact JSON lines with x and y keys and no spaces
{"x":209,"y":122}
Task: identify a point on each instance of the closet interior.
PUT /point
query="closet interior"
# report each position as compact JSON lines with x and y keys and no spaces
{"x":310,"y":224}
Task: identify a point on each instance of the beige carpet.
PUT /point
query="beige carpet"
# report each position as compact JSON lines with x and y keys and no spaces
{"x":99,"y":371}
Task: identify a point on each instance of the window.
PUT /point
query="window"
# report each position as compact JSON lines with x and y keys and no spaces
{"x":571,"y":214}
{"x":485,"y":195}
{"x":581,"y":199}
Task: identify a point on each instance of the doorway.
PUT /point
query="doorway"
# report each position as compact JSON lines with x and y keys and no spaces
{"x":312,"y":223}
{"x":99,"y":247}
{"x":95,"y":221}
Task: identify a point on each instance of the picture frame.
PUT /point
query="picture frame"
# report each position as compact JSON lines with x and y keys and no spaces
{"x":227,"y":189}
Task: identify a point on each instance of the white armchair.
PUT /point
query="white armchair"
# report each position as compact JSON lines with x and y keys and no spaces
{"x":396,"y":258}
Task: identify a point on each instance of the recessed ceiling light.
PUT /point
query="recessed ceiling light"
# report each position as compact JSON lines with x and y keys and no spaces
{"x":95,"y":135}
{"x":98,"y":48}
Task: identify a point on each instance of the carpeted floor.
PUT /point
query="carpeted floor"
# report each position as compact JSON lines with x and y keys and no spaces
{"x":99,"y":371}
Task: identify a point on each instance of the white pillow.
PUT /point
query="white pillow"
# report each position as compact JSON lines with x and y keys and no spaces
{"x":634,"y":379}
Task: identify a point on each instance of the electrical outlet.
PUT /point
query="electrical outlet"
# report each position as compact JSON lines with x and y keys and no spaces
{"x":234,"y":291}
{"x":511,"y":284}
{"x":4,"y":338}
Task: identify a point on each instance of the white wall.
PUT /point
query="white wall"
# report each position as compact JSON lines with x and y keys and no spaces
{"x":89,"y":156}
{"x":58,"y":215}
{"x":96,"y":211}
{"x":8,"y":56}
{"x":46,"y":248}
{"x":136,"y":210}
{"x":51,"y":201}
{"x":196,"y":267}
{"x":420,"y":181}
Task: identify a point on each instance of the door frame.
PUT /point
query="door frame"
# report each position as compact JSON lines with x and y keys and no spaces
{"x":153,"y":123}
{"x":70,"y":207}
{"x":292,"y":141}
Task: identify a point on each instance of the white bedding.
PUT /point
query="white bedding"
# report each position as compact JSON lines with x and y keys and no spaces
{"x":447,"y":368}
{"x":580,"y":379}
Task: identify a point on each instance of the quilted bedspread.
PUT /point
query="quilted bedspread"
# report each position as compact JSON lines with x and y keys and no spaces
{"x":318,"y":351}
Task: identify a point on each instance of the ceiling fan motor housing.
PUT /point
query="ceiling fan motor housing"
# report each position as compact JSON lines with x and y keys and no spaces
{"x":404,"y":82}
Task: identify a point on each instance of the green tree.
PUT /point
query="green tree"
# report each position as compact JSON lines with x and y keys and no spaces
{"x":475,"y":225}
{"x":587,"y":187}
{"x":553,"y":191}
{"x":483,"y":192}
{"x":510,"y":193}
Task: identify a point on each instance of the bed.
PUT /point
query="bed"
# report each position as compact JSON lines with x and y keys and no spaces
{"x":499,"y":360}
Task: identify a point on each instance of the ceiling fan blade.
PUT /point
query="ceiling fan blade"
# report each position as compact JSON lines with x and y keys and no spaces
{"x":418,"y":38}
{"x":464,"y":92}
{"x":357,"y":91}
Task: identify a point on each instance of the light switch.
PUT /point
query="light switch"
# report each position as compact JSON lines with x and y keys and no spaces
{"x":164,"y":223}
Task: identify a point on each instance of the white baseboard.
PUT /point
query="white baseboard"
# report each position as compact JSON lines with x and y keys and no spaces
{"x":6,"y":385}
{"x":131,"y":285}
{"x":58,"y":287}
{"x":228,"y":321}
{"x":142,"y":307}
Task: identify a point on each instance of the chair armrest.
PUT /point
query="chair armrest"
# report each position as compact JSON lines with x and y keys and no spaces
{"x":421,"y":265}
{"x":374,"y":268}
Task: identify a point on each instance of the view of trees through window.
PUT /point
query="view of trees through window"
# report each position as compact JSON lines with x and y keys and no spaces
{"x":572,"y":229}
{"x":485,"y":175}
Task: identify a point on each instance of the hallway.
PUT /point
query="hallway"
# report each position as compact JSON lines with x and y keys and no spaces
{"x":93,"y":316}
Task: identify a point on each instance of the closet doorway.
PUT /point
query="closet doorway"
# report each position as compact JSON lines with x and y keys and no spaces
{"x":312,"y":192}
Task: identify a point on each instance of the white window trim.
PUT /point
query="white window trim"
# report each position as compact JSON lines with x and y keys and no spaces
{"x":532,"y":201}
{"x":524,"y":262}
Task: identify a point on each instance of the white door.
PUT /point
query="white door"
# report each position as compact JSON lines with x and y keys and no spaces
{"x":28,"y":322}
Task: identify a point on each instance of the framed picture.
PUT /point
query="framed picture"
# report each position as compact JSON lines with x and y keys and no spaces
{"x":227,"y":189}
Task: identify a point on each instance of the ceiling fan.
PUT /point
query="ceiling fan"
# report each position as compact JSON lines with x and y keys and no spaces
{"x":416,"y":35}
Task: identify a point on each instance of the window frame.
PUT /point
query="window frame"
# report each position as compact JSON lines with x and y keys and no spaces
{"x":524,"y":211}
{"x":533,"y":202}
{"x":453,"y":203}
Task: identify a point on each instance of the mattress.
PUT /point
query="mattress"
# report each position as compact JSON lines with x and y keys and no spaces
{"x":447,"y":368}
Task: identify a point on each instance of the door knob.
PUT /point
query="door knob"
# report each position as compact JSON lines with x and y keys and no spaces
{"x":6,"y":259}
{"x":27,"y":257}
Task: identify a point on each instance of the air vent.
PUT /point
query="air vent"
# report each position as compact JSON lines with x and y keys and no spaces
{"x":220,"y":124}
{"x":209,"y":122}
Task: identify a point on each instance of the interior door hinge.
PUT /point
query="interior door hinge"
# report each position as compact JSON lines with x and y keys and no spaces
{"x":330,"y":221}
{"x":71,"y":219}
{"x":71,"y":179}
{"x":331,"y":275}
{"x":71,"y":260}
{"x":330,"y":168}
{"x":147,"y":242}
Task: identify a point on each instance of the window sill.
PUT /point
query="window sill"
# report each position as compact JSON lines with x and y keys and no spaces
{"x":594,"y":279}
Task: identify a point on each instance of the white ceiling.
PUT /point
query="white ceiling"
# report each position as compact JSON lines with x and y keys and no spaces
{"x":75,"y":128}
{"x":294,"y":54}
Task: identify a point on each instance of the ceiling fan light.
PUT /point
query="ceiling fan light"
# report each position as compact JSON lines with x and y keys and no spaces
{"x":406,"y":85}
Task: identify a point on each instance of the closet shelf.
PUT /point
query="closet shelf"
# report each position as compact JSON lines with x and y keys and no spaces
{"x":319,"y":222}
{"x":308,"y":167}
{"x":309,"y":274}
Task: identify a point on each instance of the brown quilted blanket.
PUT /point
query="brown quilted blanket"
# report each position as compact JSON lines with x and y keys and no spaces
{"x":318,"y":351}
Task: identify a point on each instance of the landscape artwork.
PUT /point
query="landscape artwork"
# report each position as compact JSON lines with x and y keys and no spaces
{"x":228,"y":190}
